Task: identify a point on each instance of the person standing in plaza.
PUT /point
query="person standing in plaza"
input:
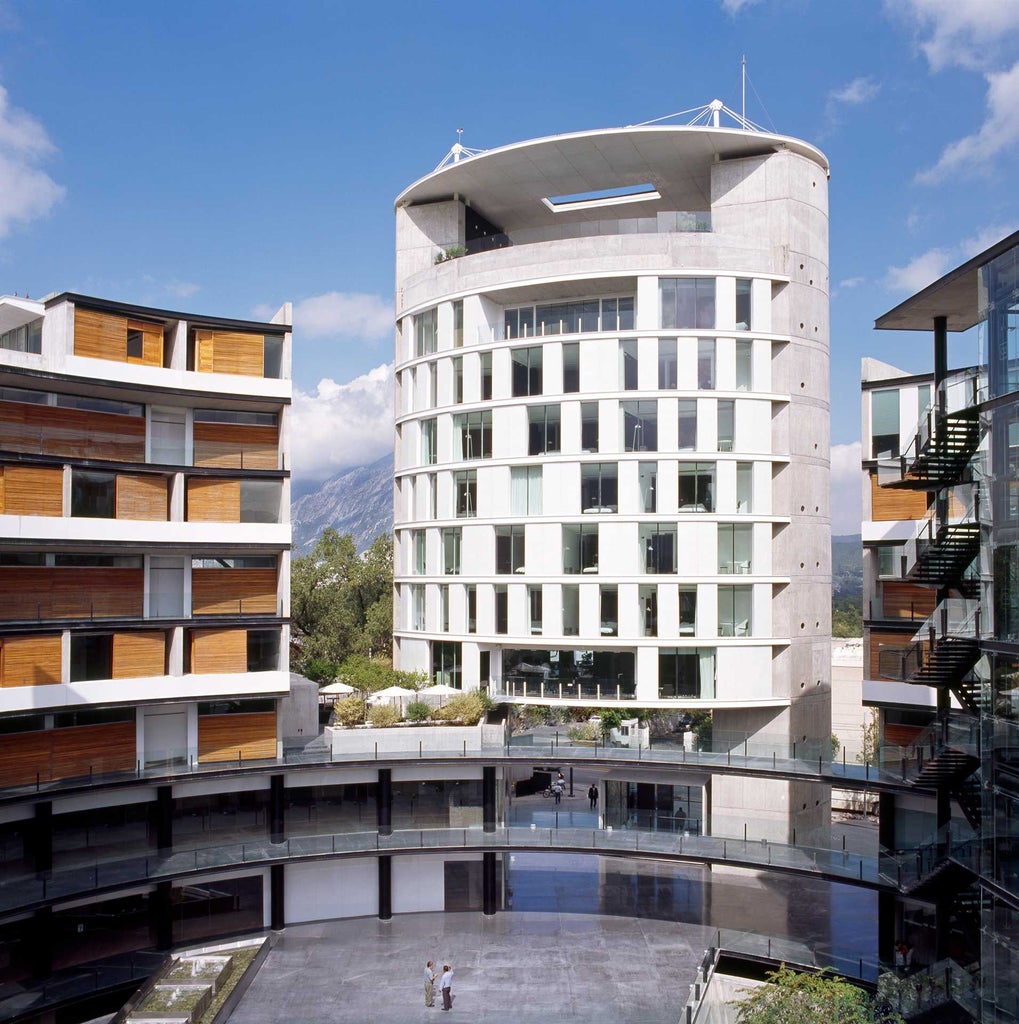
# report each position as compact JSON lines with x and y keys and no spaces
{"x":592,"y":795}
{"x":447,"y":985}
{"x":430,"y":977}
{"x":557,"y":788}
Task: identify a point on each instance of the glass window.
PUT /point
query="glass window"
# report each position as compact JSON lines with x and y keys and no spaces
{"x":91,"y":656}
{"x":425,"y":332}
{"x":444,"y":608}
{"x":687,"y":303}
{"x":429,"y":454}
{"x":458,"y":379}
{"x":696,"y":487}
{"x":734,"y":611}
{"x":617,"y":314}
{"x":726,"y":424}
{"x":706,"y":364}
{"x":458,"y":323}
{"x":260,"y":501}
{"x":744,"y":487}
{"x":472,"y":435}
{"x":735,"y":548}
{"x":447,"y":664}
{"x":687,"y":611}
{"x":417,"y":601}
{"x":263,"y":650}
{"x":93,"y":495}
{"x":668,"y":373}
{"x":628,"y":365}
{"x":519,"y":323}
{"x":525,"y":490}
{"x":433,"y":384}
{"x":466,"y":493}
{"x":571,"y":368}
{"x":251,"y":419}
{"x":543,"y":429}
{"x":452,"y":538}
{"x":743,"y":289}
{"x":884,"y":424}
{"x":923,"y":399}
{"x":687,"y":424}
{"x":648,"y":482}
{"x":433,"y":496}
{"x":658,"y":547}
{"x":571,"y":609}
{"x":135,"y":344}
{"x":640,"y":426}
{"x":509,"y":549}
{"x":599,"y":487}
{"x":272,"y":356}
{"x":580,"y":548}
{"x":27,"y":338}
{"x":472,"y":608}
{"x":648,"y":597}
{"x":501,"y":609}
{"x":744,"y":365}
{"x":567,"y":317}
{"x":420,"y":549}
{"x":609,"y":611}
{"x":486,"y":376}
{"x":888,"y":559}
{"x":534,"y":605}
{"x":527,"y":375}
{"x":686,"y":672}
{"x":589,"y":426}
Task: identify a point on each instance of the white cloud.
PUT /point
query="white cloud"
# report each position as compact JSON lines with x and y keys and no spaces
{"x":851,"y":282}
{"x":26,"y":192}
{"x":355,"y":316}
{"x":859,"y":90}
{"x":971,"y":34}
{"x":930,"y":265}
{"x":342,"y":425}
{"x":846,"y":488}
{"x":182,"y":289}
{"x":974,"y":154}
{"x":735,"y":6}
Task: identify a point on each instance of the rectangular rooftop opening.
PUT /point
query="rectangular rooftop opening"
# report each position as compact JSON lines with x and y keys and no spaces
{"x":602,"y":197}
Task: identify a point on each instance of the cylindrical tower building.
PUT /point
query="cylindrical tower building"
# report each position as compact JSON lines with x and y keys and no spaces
{"x":612,"y":441}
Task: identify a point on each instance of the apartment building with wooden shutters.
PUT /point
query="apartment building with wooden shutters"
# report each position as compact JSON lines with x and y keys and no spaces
{"x":144,"y":537}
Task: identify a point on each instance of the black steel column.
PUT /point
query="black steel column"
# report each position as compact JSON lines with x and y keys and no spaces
{"x":940,"y":350}
{"x":276,"y":826}
{"x":488,"y":797}
{"x":277,"y":895}
{"x":385,"y":862}
{"x":384,"y":802}
{"x":163,"y":811}
{"x":41,"y":946}
{"x":162,"y":916}
{"x":489,"y":895}
{"x":886,"y":936}
{"x":42,"y":838}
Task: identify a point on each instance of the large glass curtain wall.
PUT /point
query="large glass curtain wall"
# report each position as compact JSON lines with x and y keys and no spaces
{"x":687,"y":303}
{"x":999,"y":282}
{"x":580,"y":317}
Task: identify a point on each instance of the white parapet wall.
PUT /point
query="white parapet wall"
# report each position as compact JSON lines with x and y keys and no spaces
{"x":412,"y":739}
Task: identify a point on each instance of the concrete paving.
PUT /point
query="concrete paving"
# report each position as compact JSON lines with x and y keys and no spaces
{"x":514,"y":967}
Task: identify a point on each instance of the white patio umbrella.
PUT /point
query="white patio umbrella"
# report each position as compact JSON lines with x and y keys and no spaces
{"x":335,"y":689}
{"x":438,"y":691}
{"x":393,"y":694}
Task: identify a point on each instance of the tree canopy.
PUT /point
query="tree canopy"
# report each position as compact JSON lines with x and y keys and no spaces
{"x":341,"y":603}
{"x":794,"y":998}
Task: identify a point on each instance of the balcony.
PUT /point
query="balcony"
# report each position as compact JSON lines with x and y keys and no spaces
{"x":589,"y":689}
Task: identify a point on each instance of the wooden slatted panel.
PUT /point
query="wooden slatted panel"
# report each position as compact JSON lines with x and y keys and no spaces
{"x":204,"y":351}
{"x":889,"y":503}
{"x":142,"y":496}
{"x":152,"y":343}
{"x":214,"y":501}
{"x":219,"y":650}
{"x":233,"y":591}
{"x":103,"y":748}
{"x":100,"y":335}
{"x":223,"y":737}
{"x":136,"y":655}
{"x":70,"y":593}
{"x":236,"y":446}
{"x":232,"y":352}
{"x":64,"y":753}
{"x":900,"y":735}
{"x":30,"y":660}
{"x":906,"y":601}
{"x":879,"y":640}
{"x":33,"y":491}
{"x":49,"y":430}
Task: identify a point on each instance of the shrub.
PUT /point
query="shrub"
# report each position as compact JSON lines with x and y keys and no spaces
{"x":418,"y":711}
{"x":349,"y":711}
{"x":585,"y":732}
{"x":467,"y":707}
{"x":383,"y":716}
{"x":611,"y":718}
{"x":321,"y":670}
{"x":451,"y":252}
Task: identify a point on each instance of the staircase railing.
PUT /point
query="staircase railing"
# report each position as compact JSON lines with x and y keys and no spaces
{"x":956,"y":617}
{"x":957,"y":841}
{"x":962,"y":510}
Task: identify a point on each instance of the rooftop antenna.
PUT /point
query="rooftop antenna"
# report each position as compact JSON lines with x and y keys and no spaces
{"x":458,"y":152}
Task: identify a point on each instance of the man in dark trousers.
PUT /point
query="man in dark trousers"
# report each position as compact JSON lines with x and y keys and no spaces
{"x":447,"y":984}
{"x":592,"y":795}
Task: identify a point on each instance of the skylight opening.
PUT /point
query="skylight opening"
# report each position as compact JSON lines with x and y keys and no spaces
{"x":602,"y":197}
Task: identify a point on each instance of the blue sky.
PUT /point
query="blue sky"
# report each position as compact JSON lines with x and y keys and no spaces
{"x":227,"y":156}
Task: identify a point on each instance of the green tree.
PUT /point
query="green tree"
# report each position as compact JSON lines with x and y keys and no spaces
{"x":341,"y":603}
{"x":793,"y":998}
